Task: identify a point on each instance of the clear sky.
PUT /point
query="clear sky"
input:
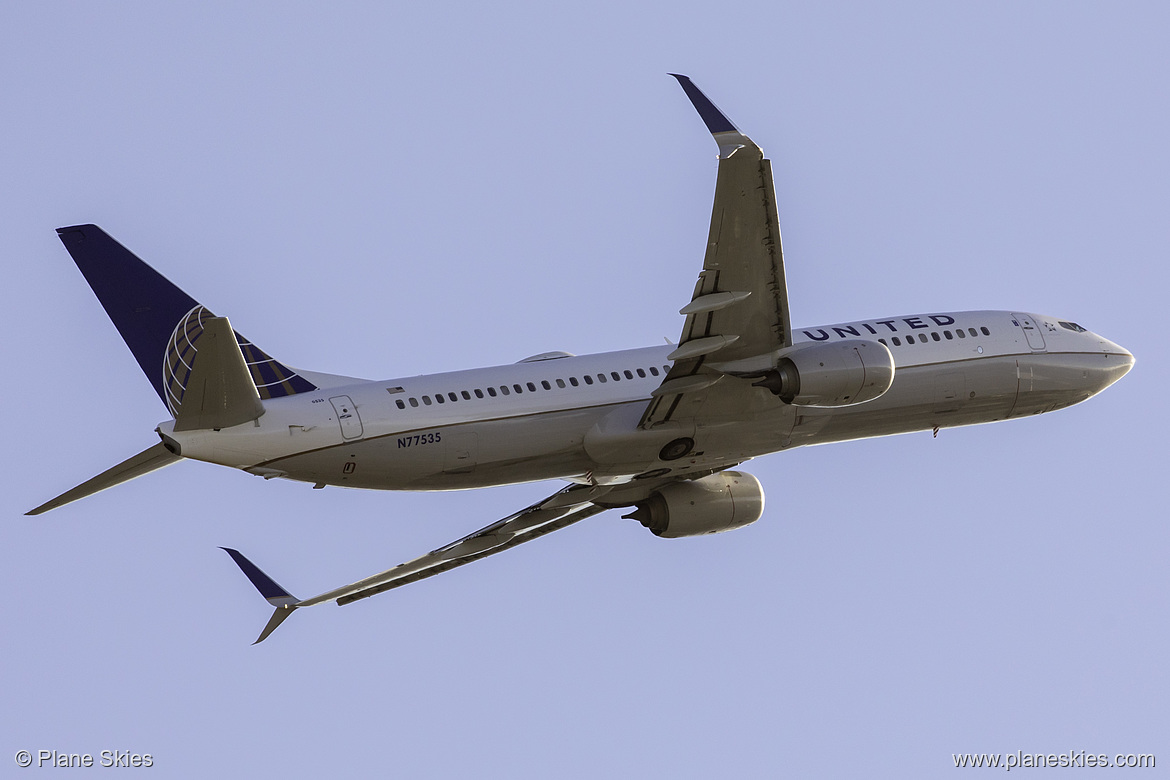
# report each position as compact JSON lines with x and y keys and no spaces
{"x":383,"y":190}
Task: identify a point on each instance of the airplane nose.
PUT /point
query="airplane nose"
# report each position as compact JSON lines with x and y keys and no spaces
{"x":1110,"y":348}
{"x":1056,"y":380}
{"x":1118,"y":362}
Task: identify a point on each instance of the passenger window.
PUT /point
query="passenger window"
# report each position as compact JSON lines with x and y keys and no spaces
{"x":986,"y":332}
{"x":426,"y":400}
{"x":601,"y":378}
{"x":544,"y":383}
{"x":478,"y":393}
{"x":466,"y":395}
{"x":973,"y":333}
{"x":588,"y":379}
{"x":573,"y":381}
{"x":504,"y":389}
{"x":439,"y":397}
{"x":492,"y":392}
{"x":653,"y":370}
{"x":414,"y":402}
{"x":641,"y":373}
{"x":400,"y":403}
{"x":628,"y":374}
{"x":961,"y":333}
{"x":897,"y":341}
{"x":561,"y":383}
{"x":882,"y":341}
{"x":518,"y":389}
{"x":934,"y":335}
{"x":947,"y":333}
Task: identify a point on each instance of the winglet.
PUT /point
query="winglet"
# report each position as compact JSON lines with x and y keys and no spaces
{"x":277,"y":618}
{"x":275,"y":595}
{"x":726,"y":134}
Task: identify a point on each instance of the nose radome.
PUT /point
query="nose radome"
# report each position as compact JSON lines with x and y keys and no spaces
{"x":1128,"y":360}
{"x":1110,"y":348}
{"x":1118,"y":362}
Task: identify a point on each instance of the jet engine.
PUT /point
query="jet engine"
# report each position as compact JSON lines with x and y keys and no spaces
{"x":718,"y":502}
{"x":842,"y":373}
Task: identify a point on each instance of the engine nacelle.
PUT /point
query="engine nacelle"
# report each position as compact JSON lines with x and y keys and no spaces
{"x":719,"y":502}
{"x":841,"y":373}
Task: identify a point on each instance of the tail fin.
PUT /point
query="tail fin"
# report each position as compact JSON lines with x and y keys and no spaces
{"x":160,"y":323}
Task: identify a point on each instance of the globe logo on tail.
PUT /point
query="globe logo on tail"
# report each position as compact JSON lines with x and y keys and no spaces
{"x":272,"y":378}
{"x":180,"y":355}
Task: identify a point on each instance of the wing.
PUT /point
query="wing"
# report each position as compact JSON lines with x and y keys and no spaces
{"x":739,"y":311}
{"x":558,"y":511}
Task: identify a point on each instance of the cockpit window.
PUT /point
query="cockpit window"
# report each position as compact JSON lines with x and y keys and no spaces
{"x":1072,"y":326}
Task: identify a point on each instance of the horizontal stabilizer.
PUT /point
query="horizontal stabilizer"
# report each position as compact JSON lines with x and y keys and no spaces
{"x":143,"y":463}
{"x":219,"y":392}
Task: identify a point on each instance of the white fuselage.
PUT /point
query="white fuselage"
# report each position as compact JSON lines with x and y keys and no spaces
{"x":554,"y":418}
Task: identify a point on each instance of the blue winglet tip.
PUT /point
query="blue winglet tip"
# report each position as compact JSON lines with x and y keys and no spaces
{"x":265,"y":584}
{"x":716,"y":120}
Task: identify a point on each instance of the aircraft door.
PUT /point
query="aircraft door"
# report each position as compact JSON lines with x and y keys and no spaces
{"x":1031,"y":331}
{"x":347,"y":417}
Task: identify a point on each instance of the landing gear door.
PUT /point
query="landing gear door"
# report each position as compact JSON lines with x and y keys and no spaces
{"x":1031,"y":331}
{"x":347,"y":416}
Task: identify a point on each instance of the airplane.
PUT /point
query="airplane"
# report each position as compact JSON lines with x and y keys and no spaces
{"x":657,"y":431}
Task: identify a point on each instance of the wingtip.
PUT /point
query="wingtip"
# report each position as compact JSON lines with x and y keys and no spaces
{"x":77,"y":228}
{"x":716,"y":120}
{"x":277,"y":596}
{"x":279,"y":616}
{"x":268,"y":587}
